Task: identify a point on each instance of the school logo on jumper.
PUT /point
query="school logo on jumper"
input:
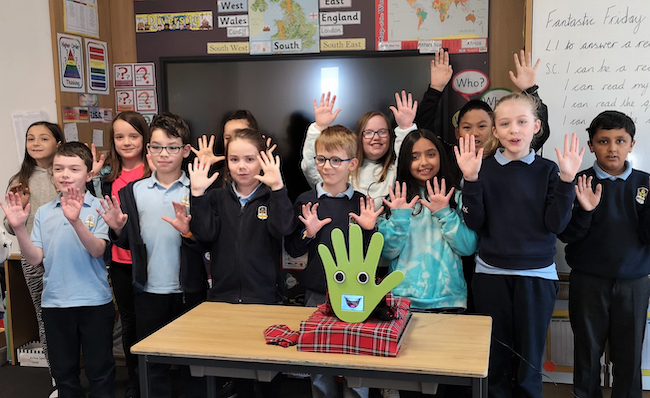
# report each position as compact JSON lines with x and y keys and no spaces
{"x":185,"y":201}
{"x":641,"y":194}
{"x":465,"y":210}
{"x":90,"y":221}
{"x":262,"y":213}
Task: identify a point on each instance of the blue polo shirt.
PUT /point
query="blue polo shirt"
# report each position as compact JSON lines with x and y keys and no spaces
{"x":73,"y":278}
{"x":162,"y":241}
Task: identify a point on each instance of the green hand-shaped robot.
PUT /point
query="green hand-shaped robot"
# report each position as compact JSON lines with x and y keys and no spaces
{"x":351,"y":279}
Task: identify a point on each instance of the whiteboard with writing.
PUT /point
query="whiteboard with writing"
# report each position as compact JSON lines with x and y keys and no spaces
{"x":595,"y":56}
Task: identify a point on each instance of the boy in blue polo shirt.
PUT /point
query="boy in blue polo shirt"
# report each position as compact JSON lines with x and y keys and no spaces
{"x":152,"y":221}
{"x":609,"y":254}
{"x":70,"y":238}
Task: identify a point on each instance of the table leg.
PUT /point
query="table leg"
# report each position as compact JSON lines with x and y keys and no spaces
{"x":143,"y":373}
{"x":480,"y":388}
{"x":212,"y":386}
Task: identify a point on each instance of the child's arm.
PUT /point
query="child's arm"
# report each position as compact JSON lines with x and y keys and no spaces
{"x":404,"y":116}
{"x":205,"y":227}
{"x":282,"y":220}
{"x":586,"y":201}
{"x":395,"y":228}
{"x":324,"y":117}
{"x":525,"y":78}
{"x":71,"y":207}
{"x":112,"y":214}
{"x":560,"y":201}
{"x":16,"y":217}
{"x":367,"y":217}
{"x":469,"y":163}
{"x":297,"y":243}
{"x":460,"y":237}
{"x":206,"y":150}
{"x":440,"y":74}
{"x":98,"y":163}
{"x":644,"y":222}
{"x":21,"y":190}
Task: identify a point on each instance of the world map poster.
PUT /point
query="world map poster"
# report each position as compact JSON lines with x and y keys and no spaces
{"x":411,"y":21}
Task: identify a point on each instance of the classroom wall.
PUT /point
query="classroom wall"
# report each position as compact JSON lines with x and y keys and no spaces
{"x":26,"y":73}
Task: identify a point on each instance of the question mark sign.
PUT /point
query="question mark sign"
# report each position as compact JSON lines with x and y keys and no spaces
{"x":124,"y":96}
{"x":144,"y":74}
{"x":124,"y":71}
{"x":146,"y":98}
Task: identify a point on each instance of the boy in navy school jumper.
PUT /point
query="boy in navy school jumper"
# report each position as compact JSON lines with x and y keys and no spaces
{"x":332,"y":204}
{"x":517,"y":204}
{"x":168,"y":272}
{"x":608,"y":250}
{"x":70,"y":238}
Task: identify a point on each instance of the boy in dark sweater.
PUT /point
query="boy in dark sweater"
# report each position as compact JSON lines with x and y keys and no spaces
{"x":332,"y":204}
{"x":609,"y":253}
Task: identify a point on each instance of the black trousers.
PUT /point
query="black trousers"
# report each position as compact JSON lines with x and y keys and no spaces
{"x":521,"y":308}
{"x":153,"y":311}
{"x":121,"y":280}
{"x":71,"y":331}
{"x":603,"y":309}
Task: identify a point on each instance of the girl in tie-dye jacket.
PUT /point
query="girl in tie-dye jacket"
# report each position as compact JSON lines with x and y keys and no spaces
{"x":423,"y":227}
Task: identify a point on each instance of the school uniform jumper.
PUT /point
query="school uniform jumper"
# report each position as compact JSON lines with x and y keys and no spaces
{"x":517,"y":208}
{"x":609,"y":255}
{"x":245,"y":241}
{"x":77,"y":304}
{"x":428,"y":247}
{"x":313,"y":277}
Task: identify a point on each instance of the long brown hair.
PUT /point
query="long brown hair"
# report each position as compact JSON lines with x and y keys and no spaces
{"x":389,"y":157}
{"x":29,"y":163}
{"x":138,"y":122}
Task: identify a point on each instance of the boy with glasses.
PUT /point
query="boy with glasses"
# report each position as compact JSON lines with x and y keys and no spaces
{"x":168,"y":273}
{"x":333,"y":203}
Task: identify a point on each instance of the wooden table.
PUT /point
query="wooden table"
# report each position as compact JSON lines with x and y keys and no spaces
{"x":219,"y":339}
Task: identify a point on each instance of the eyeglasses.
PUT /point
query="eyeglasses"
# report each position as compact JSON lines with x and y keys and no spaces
{"x":369,"y":134}
{"x":334,"y":161}
{"x":171,"y":149}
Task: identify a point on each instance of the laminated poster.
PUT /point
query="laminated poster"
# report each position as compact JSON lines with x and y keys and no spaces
{"x":71,"y":66}
{"x":97,"y":67}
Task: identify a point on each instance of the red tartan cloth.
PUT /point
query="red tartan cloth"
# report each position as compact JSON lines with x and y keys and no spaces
{"x":280,"y":335}
{"x":324,"y":332}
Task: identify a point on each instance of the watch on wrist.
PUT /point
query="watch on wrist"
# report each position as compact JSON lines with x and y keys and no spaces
{"x":531,"y":90}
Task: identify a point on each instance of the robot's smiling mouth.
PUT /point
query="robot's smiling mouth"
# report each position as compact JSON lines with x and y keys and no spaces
{"x":352,"y":303}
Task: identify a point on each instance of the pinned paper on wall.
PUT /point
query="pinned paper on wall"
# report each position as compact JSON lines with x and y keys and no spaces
{"x":123,"y":75}
{"x":146,"y":100}
{"x":124,"y":100}
{"x":98,"y":138}
{"x":71,"y":132}
{"x":144,"y":75}
{"x":71,"y":66}
{"x":81,"y":17}
{"x":21,"y":122}
{"x":97,"y":67}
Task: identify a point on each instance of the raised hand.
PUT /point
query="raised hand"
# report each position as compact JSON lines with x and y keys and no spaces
{"x":526,"y":72}
{"x":181,"y":221}
{"x":71,"y":205}
{"x":271,"y":167}
{"x":309,"y":217}
{"x":21,"y":190}
{"x":571,"y":160}
{"x":14,"y":211}
{"x":398,"y":198}
{"x":586,"y":196}
{"x":112,"y":214}
{"x":98,"y":163}
{"x":405,"y":111}
{"x":206,"y":150}
{"x":323,"y":111}
{"x":353,"y":292}
{"x":199,"y":180}
{"x":468,"y":159}
{"x":438,"y":195}
{"x":367,"y":216}
{"x":440,"y":70}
